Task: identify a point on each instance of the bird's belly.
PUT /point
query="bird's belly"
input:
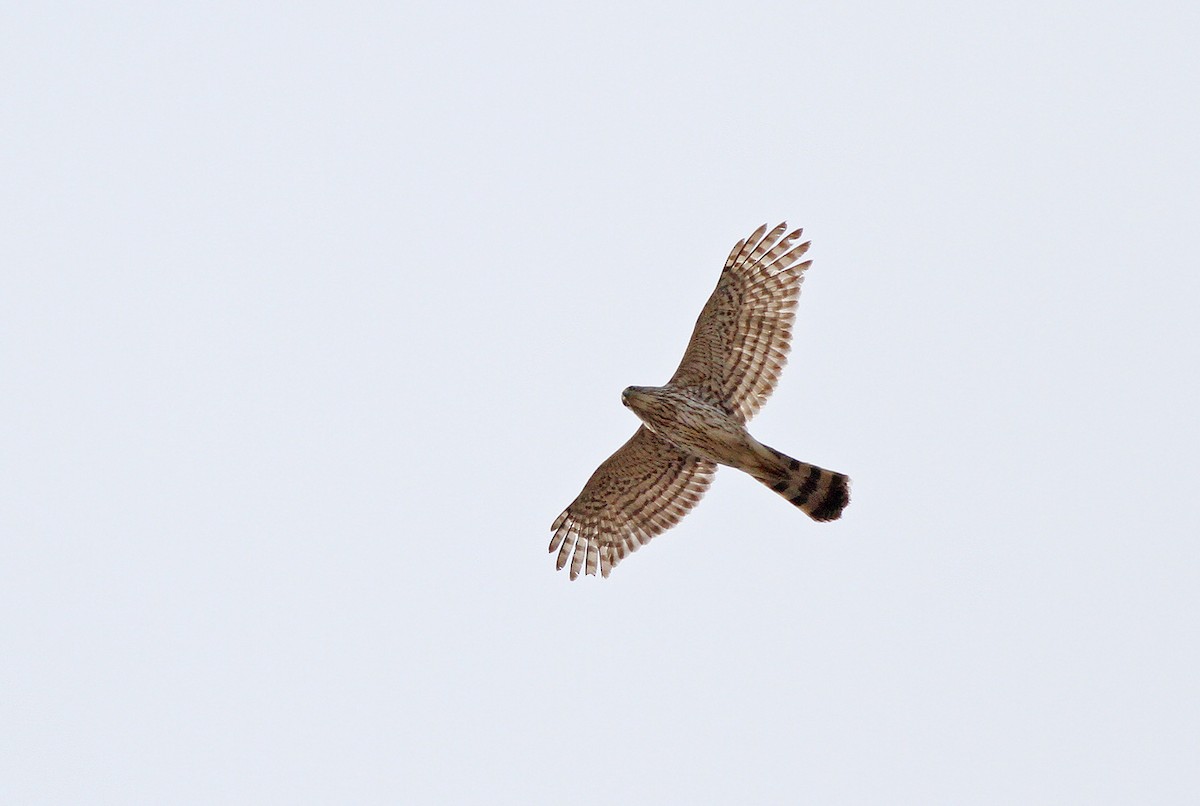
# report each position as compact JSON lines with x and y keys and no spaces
{"x":711,"y":435}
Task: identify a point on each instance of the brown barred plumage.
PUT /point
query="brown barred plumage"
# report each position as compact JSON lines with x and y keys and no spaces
{"x":697,"y":421}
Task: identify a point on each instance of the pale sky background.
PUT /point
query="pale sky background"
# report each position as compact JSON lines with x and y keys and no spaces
{"x":313,"y":318}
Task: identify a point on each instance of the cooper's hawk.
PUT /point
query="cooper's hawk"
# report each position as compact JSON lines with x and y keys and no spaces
{"x":697,"y":420}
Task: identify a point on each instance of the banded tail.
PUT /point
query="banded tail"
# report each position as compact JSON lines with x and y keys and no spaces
{"x":821,"y":494}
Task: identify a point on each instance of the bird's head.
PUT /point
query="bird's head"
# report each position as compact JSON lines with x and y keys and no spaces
{"x":634,"y":397}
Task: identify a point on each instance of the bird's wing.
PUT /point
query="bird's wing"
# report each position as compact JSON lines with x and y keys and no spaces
{"x":640,"y":491}
{"x":743,"y":334}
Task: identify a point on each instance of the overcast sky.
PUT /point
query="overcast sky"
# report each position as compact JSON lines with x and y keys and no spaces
{"x":313,"y":318}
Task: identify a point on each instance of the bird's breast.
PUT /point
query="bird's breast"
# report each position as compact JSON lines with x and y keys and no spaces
{"x":698,"y":428}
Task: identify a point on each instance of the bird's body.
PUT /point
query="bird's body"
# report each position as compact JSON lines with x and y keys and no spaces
{"x":697,"y":421}
{"x":689,"y":423}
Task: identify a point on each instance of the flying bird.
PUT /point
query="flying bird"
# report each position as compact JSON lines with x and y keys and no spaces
{"x":698,"y":419}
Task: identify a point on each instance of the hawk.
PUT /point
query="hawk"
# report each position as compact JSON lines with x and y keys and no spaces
{"x":698,"y":420}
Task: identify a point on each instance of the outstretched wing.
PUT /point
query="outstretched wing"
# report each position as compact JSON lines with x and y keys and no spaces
{"x":640,"y":491}
{"x":742,"y":337}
